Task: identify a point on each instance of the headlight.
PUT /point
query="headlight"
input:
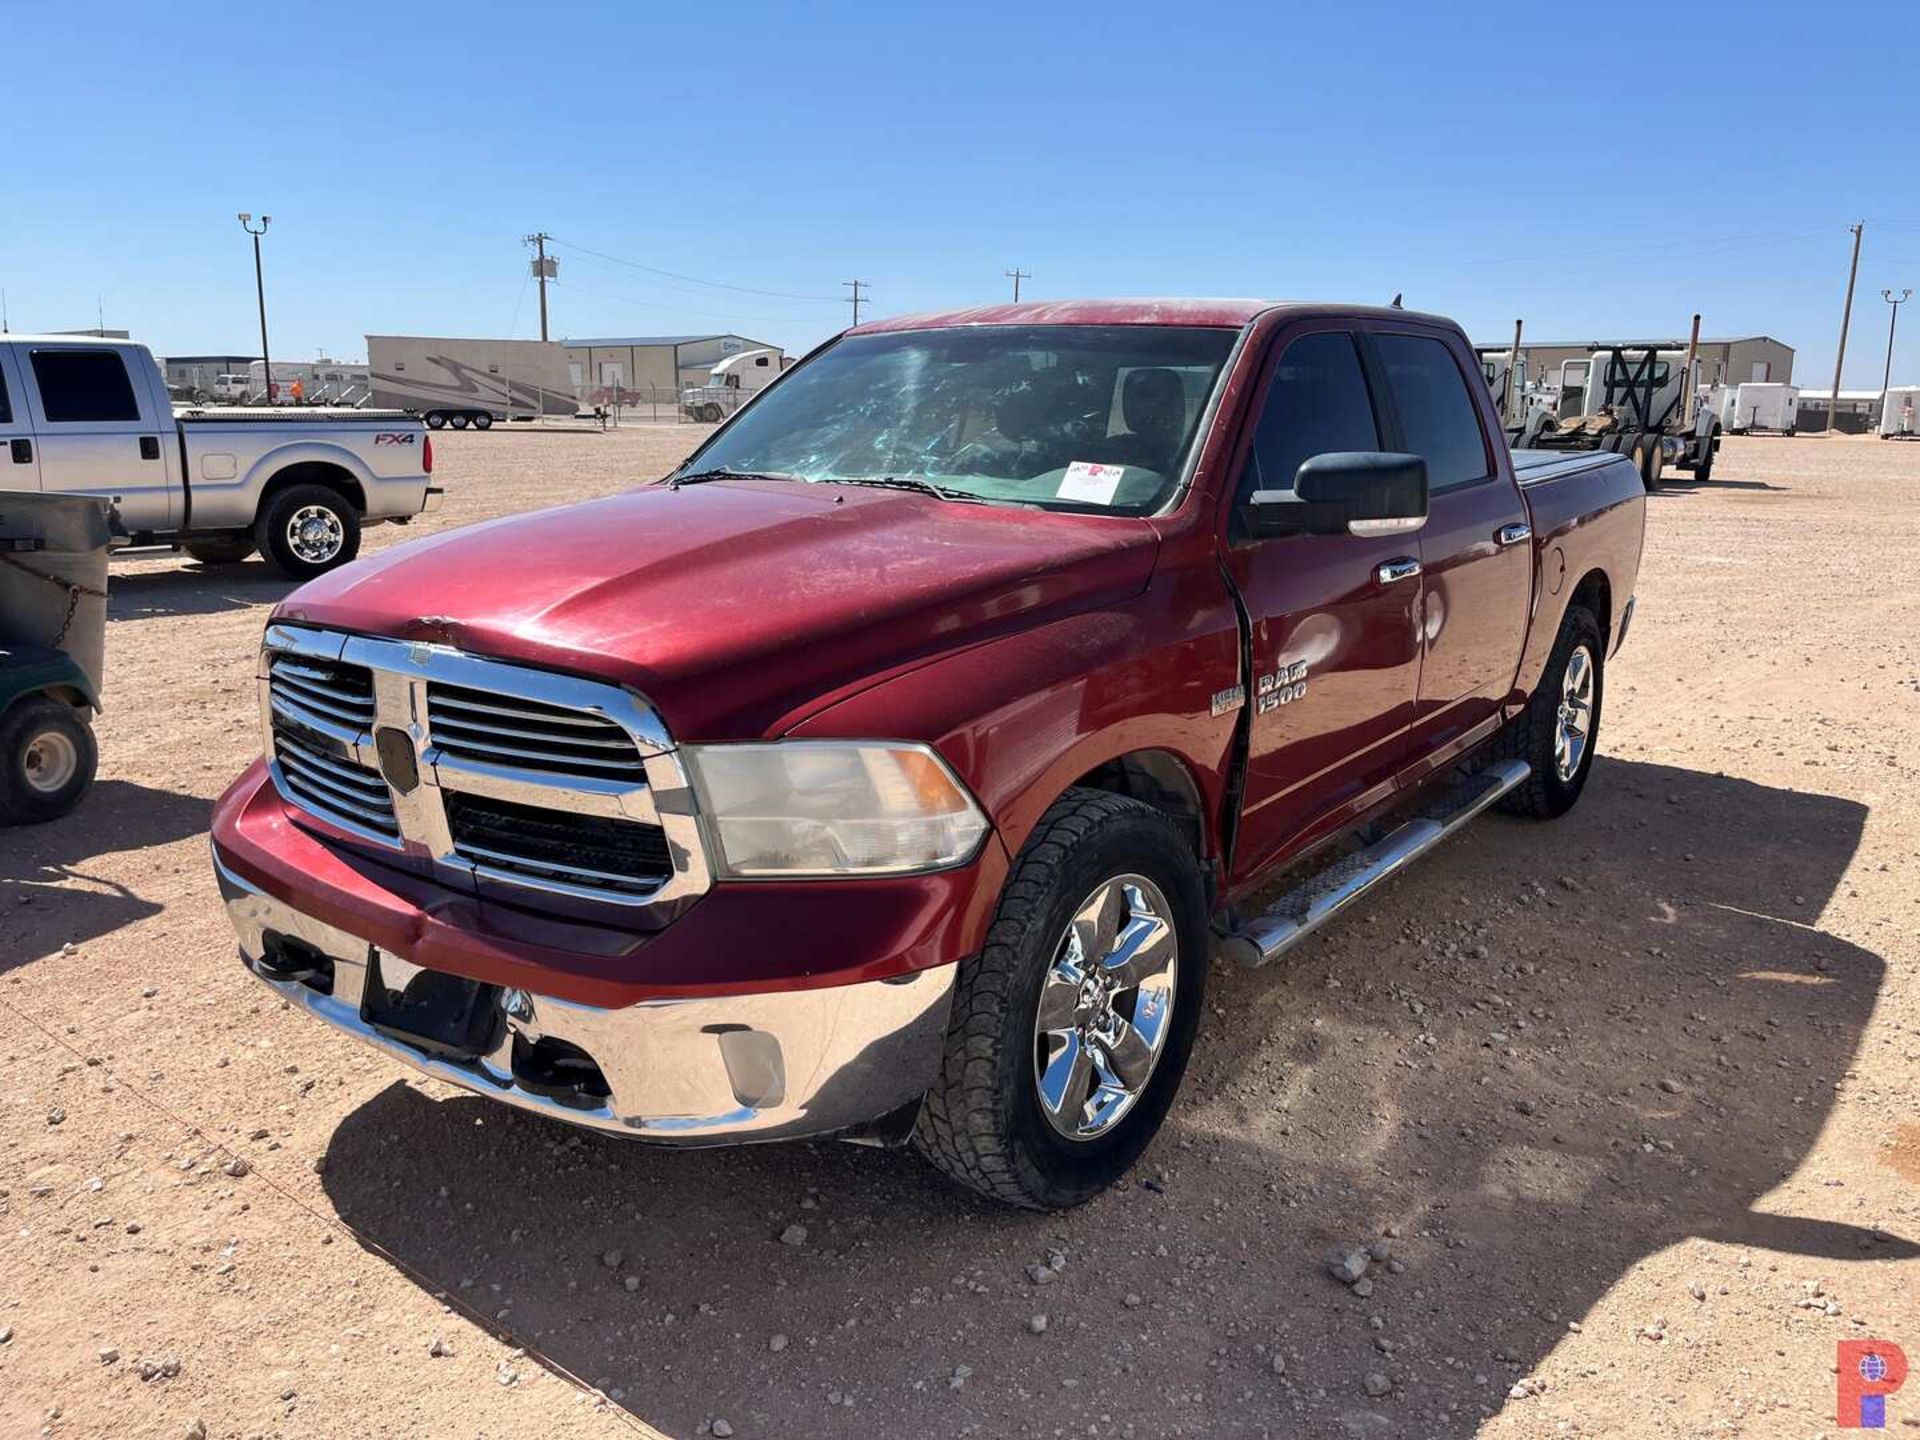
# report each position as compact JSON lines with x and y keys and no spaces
{"x":831,"y":807}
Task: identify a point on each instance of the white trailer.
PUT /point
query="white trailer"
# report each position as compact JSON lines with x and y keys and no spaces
{"x":1900,"y":413}
{"x":1763,"y":405}
{"x":462,"y":382}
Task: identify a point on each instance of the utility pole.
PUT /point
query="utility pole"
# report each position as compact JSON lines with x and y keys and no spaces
{"x":854,"y":286}
{"x":1846,"y":316}
{"x":543,"y":271}
{"x":260,"y":293}
{"x":1017,"y":275}
{"x":1886,"y":378}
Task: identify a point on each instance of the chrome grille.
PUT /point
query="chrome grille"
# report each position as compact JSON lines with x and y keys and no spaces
{"x":527,"y":780}
{"x":524,"y":734}
{"x":332,"y":786}
{"x":325,"y":694}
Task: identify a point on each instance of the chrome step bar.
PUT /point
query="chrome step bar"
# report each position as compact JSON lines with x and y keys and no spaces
{"x":1301,"y":911}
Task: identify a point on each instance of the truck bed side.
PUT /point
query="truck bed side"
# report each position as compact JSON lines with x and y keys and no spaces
{"x":1588,"y":511}
{"x":231,"y":456}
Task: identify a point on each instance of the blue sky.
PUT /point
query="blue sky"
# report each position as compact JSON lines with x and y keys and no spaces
{"x":1482,"y":159}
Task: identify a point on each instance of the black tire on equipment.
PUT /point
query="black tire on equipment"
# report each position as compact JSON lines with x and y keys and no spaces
{"x":1652,"y":458}
{"x":435,"y":419}
{"x":270,"y":532}
{"x":458,"y":419}
{"x":483,"y":419}
{"x":981,"y":1122}
{"x":1530,"y":736}
{"x":22,"y":803}
{"x":227,"y":550}
{"x":1703,"y":471}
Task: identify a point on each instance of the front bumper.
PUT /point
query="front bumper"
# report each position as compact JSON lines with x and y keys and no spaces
{"x":693,"y":1071}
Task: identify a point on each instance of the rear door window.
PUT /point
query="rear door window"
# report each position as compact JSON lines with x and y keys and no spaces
{"x":6,"y":405}
{"x":84,"y":386}
{"x":1437,"y":418}
{"x":1317,"y":403}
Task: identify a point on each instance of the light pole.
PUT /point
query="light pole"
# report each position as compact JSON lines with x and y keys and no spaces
{"x":260,"y":292}
{"x":1896,"y":301}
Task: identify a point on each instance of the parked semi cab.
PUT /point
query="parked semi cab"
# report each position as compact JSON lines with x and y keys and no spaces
{"x":893,"y":769}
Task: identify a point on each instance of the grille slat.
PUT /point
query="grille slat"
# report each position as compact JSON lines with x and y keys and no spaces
{"x":308,"y":694}
{"x":505,"y":730}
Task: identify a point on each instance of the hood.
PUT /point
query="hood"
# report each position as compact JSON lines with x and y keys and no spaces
{"x":736,"y":606}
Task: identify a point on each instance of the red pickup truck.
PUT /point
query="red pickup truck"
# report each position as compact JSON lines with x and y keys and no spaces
{"x":894,"y":768}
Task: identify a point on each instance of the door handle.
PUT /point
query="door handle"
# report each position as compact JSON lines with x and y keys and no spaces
{"x":22,"y":452}
{"x":1404,"y":568}
{"x":1512,"y":534}
{"x":149,"y":447}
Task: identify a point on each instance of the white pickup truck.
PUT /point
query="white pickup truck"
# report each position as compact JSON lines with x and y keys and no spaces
{"x":92,"y":417}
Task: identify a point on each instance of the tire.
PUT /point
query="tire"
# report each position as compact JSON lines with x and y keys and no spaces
{"x":322,"y":515}
{"x":47,"y":760}
{"x":1703,"y":470}
{"x":983,"y":1123}
{"x":710,"y":414}
{"x":1534,"y":735}
{"x":1651,"y":457}
{"x":229,"y":550}
{"x":482,"y":420}
{"x":458,"y":419}
{"x":435,"y":419}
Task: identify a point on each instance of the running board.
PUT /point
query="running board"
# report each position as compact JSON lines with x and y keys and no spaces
{"x":1300,"y":912}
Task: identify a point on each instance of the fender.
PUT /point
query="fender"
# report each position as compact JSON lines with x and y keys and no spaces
{"x":1023,"y":718}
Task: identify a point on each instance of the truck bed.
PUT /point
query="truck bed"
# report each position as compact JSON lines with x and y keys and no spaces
{"x":284,"y":415}
{"x":1533,"y":467}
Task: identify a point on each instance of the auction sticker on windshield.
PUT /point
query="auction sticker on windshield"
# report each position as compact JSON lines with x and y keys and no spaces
{"x":1090,"y":482}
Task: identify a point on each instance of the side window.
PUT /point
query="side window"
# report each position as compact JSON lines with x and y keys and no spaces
{"x":1317,"y":403}
{"x":84,"y":385}
{"x":1436,"y":413}
{"x":6,"y":405}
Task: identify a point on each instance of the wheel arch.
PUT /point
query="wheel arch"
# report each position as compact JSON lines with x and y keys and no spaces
{"x":1595,"y":592}
{"x":320,"y":466}
{"x":1158,"y":778}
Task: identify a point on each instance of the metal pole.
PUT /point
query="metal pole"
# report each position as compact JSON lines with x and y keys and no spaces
{"x":1513,"y":364}
{"x":1017,"y":275}
{"x":1687,"y":399}
{"x":854,"y":286}
{"x":1846,"y":316}
{"x":260,"y":294}
{"x":1886,"y":376}
{"x":539,"y":242}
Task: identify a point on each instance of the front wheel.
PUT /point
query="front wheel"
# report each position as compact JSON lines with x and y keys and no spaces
{"x":47,"y":760}
{"x":1071,"y":1030}
{"x":1555,"y":734}
{"x":306,"y":530}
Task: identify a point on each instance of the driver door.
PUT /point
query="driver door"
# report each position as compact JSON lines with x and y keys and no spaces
{"x":1335,"y":638}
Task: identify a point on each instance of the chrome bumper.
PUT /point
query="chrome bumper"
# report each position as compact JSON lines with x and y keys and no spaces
{"x":768,"y":1066}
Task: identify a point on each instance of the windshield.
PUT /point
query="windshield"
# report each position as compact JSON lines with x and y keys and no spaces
{"x":1067,"y":417}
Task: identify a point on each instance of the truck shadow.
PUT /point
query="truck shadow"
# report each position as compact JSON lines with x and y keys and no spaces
{"x":194,"y":589}
{"x":40,"y":910}
{"x":1545,"y":1055}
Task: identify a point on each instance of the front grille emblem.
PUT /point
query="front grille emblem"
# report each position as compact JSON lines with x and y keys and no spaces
{"x":398,"y":764}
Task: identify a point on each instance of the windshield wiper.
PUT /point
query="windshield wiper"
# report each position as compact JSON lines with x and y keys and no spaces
{"x":701,"y":476}
{"x":908,"y":482}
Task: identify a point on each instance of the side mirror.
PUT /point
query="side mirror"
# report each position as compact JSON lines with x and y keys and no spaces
{"x":1347,"y":492}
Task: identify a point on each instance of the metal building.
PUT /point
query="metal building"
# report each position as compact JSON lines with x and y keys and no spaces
{"x":1724,"y":360}
{"x":645,"y":363}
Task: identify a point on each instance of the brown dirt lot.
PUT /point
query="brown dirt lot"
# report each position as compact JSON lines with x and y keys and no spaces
{"x":1638,"y":1094}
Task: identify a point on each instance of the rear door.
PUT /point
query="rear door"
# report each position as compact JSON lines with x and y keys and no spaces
{"x":1334,"y":644}
{"x":19,"y":459}
{"x":99,"y":431}
{"x":1476,"y":551}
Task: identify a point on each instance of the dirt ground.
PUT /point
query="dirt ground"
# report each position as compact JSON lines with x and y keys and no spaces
{"x":1633,"y":1098}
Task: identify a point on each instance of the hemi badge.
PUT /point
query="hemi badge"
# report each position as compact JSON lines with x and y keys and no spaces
{"x":1229,"y":699}
{"x":398,"y":764}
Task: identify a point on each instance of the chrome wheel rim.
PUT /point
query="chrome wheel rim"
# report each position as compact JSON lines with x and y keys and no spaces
{"x":1106,"y":1007}
{"x":1573,"y":725}
{"x":315,"y":534}
{"x":50,"y":761}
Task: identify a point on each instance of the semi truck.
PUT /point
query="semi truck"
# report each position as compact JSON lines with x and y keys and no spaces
{"x":896,"y":767}
{"x":730,"y":384}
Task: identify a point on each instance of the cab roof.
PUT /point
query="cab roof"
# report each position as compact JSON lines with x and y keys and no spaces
{"x":1230,"y":313}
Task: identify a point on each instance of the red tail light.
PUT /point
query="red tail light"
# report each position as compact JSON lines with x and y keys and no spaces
{"x":426,"y":454}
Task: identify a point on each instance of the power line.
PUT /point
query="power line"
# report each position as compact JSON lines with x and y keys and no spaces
{"x":854,"y":285}
{"x":690,"y":279}
{"x":661,"y":305}
{"x":1017,"y":275}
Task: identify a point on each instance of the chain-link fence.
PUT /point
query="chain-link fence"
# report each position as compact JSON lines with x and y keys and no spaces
{"x":660,"y":403}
